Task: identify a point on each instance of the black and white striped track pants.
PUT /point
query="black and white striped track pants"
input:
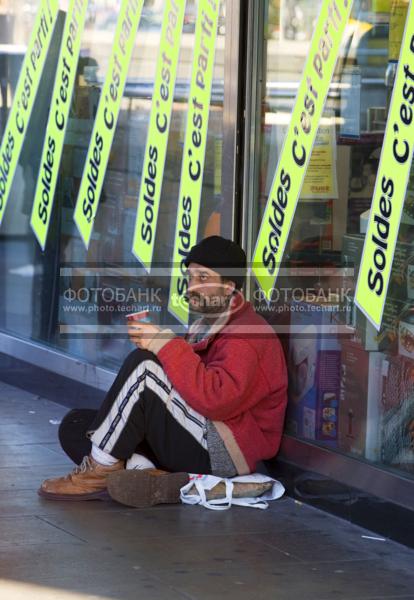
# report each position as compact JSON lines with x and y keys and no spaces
{"x":142,"y":410}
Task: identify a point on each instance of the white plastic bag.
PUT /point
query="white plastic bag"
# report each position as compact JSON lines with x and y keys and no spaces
{"x":204,"y":483}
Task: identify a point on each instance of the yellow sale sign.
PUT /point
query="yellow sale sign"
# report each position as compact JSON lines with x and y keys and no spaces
{"x":58,"y":120}
{"x":106,"y":118}
{"x":297,"y":149}
{"x":159,"y":127}
{"x":390,"y":186}
{"x":25,"y":96}
{"x":192,"y":168}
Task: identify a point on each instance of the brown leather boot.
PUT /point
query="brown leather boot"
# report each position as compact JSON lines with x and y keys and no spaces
{"x":146,"y":487}
{"x":85,"y":482}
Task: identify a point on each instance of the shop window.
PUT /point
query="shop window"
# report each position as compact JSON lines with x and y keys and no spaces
{"x":67,"y":285}
{"x":351,"y":388}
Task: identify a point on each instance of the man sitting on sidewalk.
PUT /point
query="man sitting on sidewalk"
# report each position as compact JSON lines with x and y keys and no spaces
{"x":212,"y":402}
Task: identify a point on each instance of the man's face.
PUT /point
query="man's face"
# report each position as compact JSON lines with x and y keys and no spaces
{"x":207,"y":292}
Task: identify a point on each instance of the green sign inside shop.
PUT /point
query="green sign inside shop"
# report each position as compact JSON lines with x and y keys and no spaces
{"x":25,"y":96}
{"x":293,"y":162}
{"x":390,"y":186}
{"x":58,"y":119}
{"x":392,"y":177}
{"x":192,"y":167}
{"x":158,"y":131}
{"x":106,"y":118}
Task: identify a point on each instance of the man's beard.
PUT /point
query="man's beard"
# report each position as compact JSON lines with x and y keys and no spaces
{"x":208,"y":305}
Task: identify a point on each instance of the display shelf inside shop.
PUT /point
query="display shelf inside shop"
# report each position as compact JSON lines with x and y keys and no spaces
{"x":366,"y":137}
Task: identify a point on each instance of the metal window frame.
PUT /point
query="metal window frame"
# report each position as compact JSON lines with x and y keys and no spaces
{"x":255,"y":80}
{"x":373,"y":479}
{"x":231,"y":115}
{"x":51,"y":359}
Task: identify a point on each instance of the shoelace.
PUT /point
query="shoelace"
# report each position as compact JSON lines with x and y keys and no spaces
{"x":86,"y":465}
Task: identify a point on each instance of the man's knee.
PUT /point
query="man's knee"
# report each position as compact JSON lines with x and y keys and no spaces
{"x":75,"y":421}
{"x":72,"y":432}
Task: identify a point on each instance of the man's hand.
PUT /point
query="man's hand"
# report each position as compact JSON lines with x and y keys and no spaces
{"x":141,"y":334}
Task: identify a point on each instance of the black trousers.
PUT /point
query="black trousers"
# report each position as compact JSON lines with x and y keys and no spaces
{"x":141,"y":413}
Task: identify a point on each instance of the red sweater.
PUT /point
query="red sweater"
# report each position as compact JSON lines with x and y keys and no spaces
{"x":238,"y":379}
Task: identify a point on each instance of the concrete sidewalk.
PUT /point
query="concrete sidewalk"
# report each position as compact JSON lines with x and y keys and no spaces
{"x":100,"y":549}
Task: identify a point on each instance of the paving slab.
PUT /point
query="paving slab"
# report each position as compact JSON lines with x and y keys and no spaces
{"x":102,"y":550}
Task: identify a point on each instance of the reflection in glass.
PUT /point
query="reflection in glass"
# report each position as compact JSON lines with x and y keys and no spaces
{"x":38,"y":293}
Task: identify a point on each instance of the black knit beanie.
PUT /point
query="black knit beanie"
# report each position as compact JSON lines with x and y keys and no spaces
{"x":221,"y":255}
